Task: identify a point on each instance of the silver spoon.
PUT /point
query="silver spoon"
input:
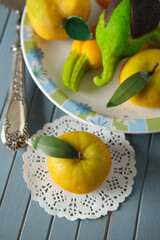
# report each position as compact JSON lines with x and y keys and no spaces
{"x":15,"y":126}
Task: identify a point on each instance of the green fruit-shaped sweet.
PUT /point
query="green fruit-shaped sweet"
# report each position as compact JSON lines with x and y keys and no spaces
{"x":119,"y":35}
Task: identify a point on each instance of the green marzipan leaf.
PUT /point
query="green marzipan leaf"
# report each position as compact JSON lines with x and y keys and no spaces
{"x":53,"y":147}
{"x":77,"y":29}
{"x":130,"y":87}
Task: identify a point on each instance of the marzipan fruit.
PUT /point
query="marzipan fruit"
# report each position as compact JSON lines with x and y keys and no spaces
{"x":84,"y":55}
{"x":122,"y":30}
{"x":87,"y":172}
{"x":46,"y":15}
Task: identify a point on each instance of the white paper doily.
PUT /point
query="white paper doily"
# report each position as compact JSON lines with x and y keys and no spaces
{"x":55,"y":200}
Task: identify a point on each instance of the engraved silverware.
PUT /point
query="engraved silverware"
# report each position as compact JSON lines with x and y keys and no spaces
{"x":14,"y":126}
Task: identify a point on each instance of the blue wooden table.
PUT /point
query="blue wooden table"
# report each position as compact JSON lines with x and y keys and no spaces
{"x":22,"y":218}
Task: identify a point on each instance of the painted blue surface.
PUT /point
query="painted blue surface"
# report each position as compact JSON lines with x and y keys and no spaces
{"x":22,"y":218}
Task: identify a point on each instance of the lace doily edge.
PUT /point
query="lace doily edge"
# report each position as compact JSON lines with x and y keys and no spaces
{"x":73,"y":218}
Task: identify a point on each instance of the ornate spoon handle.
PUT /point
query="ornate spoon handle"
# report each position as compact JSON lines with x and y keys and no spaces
{"x":14,"y":125}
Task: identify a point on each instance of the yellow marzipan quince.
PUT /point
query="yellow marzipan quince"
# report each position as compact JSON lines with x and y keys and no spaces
{"x":86,"y":173}
{"x":46,"y":15}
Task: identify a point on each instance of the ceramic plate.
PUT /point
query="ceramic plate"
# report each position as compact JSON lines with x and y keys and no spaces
{"x":45,"y":61}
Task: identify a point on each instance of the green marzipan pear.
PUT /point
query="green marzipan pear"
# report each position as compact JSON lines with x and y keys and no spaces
{"x":114,"y":35}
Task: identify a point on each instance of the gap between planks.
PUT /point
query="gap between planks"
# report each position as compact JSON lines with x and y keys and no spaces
{"x":24,"y":217}
{"x":108,"y":222}
{"x":10,"y":170}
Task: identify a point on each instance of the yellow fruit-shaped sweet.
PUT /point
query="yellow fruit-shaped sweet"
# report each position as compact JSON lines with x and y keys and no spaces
{"x":46,"y":15}
{"x":144,"y":60}
{"x":82,"y":175}
{"x":91,"y":49}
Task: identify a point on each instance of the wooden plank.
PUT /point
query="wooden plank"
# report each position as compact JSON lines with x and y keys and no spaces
{"x":4,"y":14}
{"x":63,"y":229}
{"x":6,"y":158}
{"x":148,"y":226}
{"x":41,"y":112}
{"x":94,"y":229}
{"x":123,"y":221}
{"x":16,"y":196}
{"x":14,"y":201}
{"x":36,"y":223}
